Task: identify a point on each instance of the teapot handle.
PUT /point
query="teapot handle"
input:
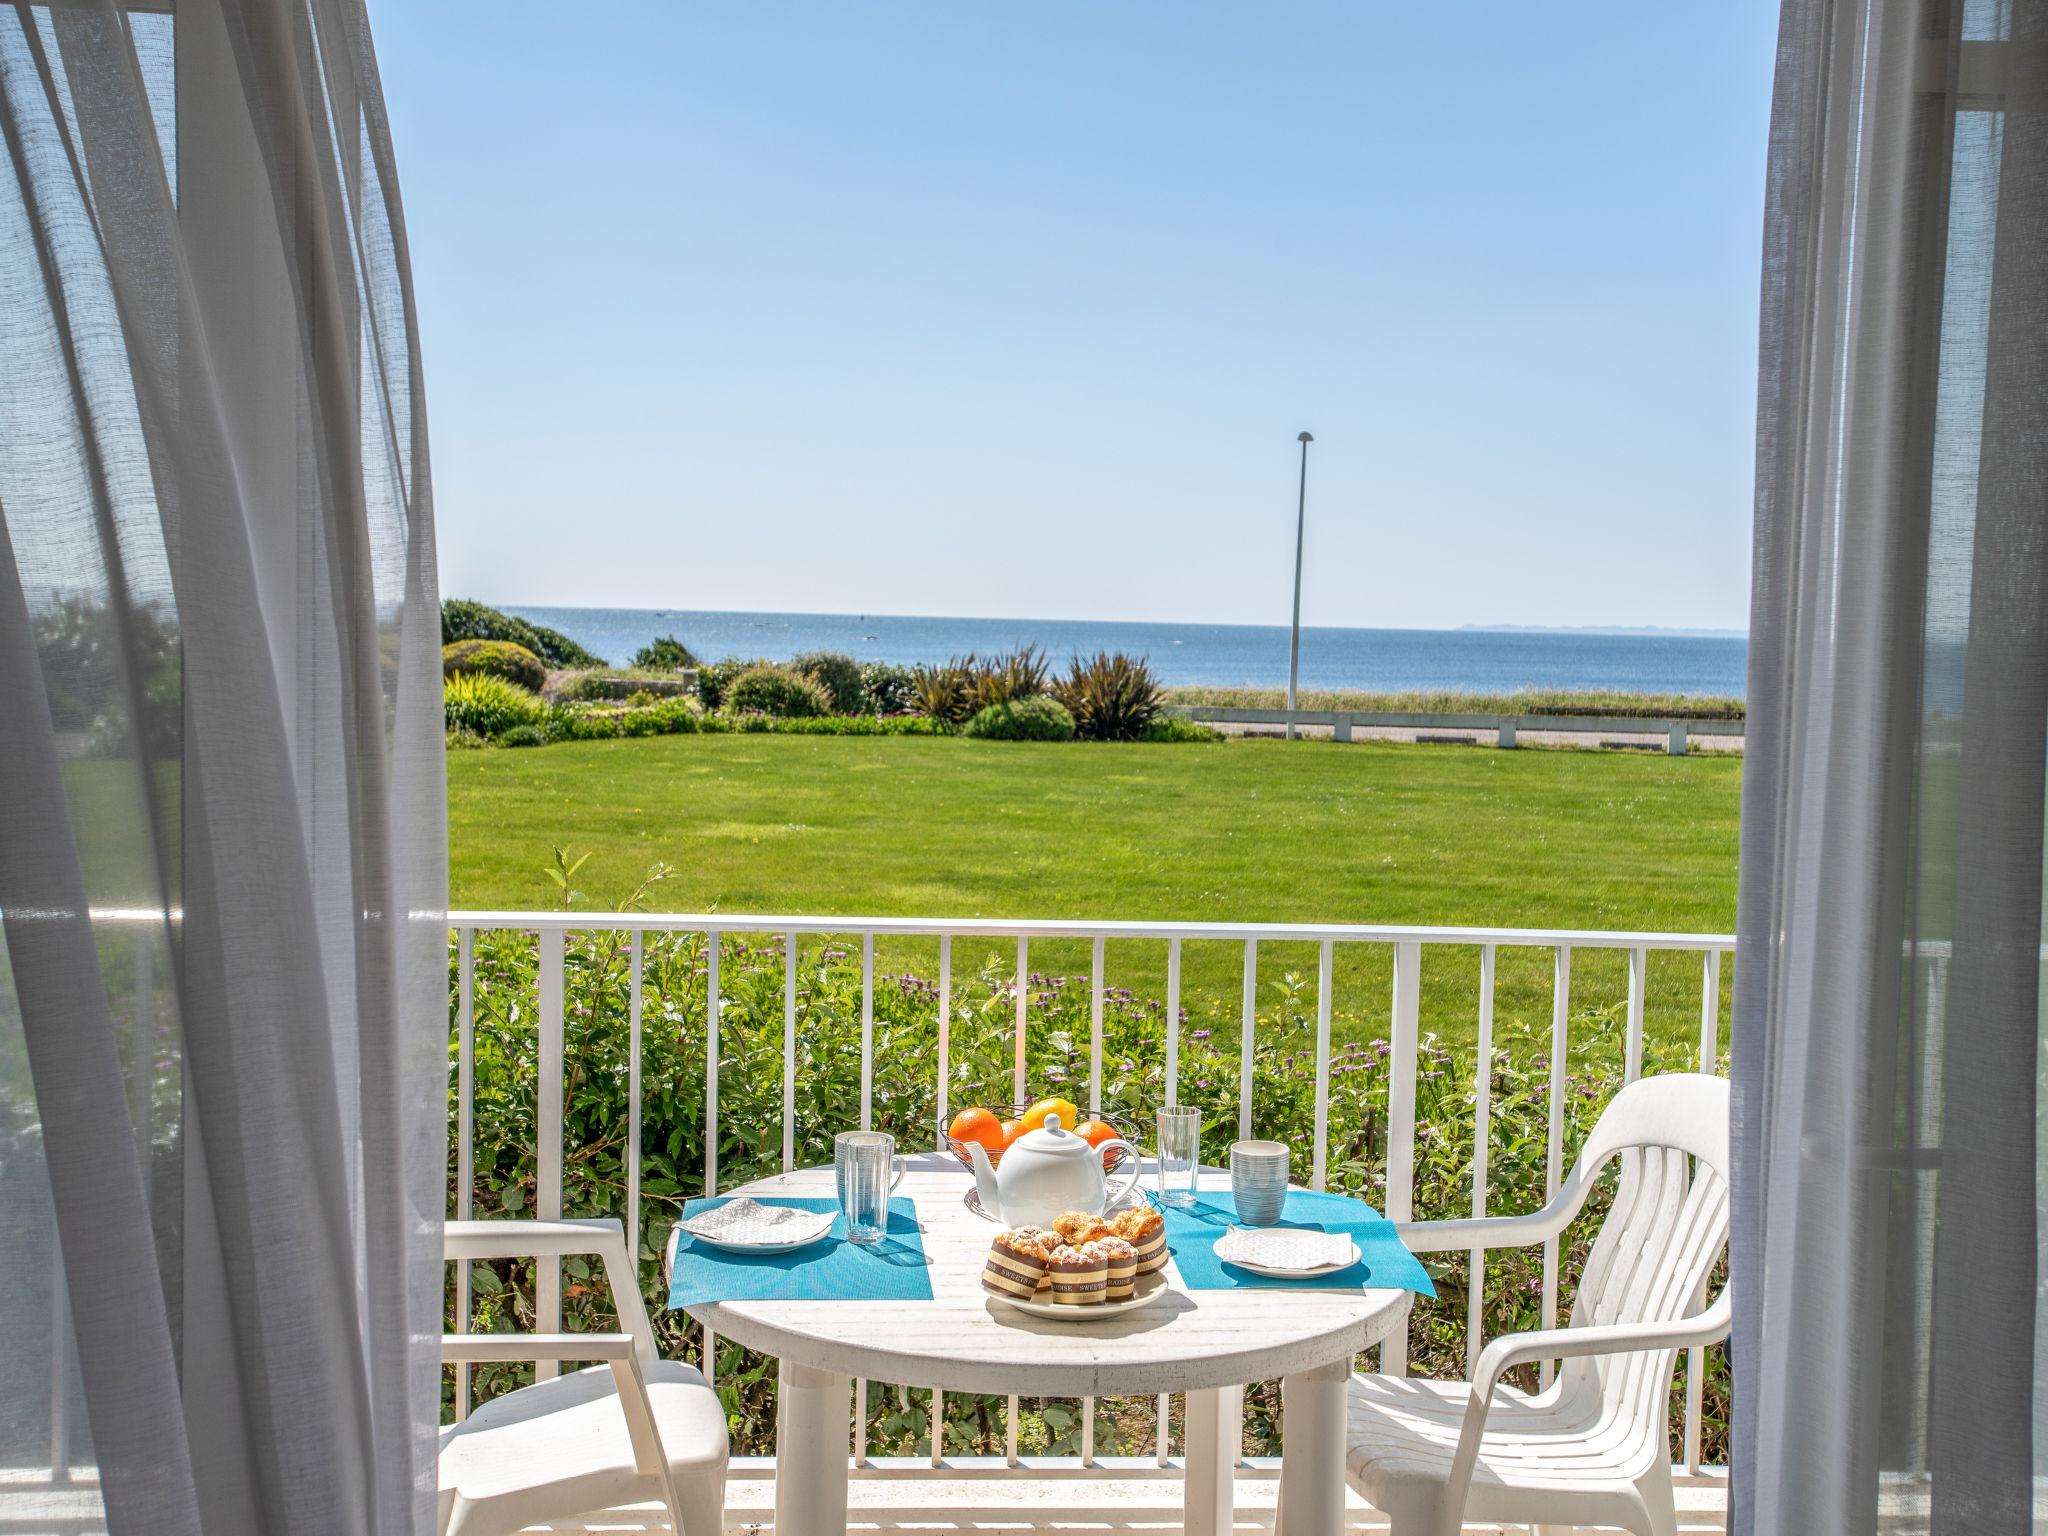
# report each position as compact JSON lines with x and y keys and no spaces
{"x":1115,"y":1196}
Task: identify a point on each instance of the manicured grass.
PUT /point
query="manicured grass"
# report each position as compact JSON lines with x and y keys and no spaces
{"x":1243,"y":831}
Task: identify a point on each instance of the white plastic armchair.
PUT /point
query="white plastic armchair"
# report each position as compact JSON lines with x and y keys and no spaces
{"x":635,"y":1428}
{"x":1594,"y":1448}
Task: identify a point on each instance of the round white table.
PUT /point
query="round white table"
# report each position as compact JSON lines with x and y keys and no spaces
{"x":1207,"y":1344}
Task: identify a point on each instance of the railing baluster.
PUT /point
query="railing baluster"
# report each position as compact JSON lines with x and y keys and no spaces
{"x":1023,"y":1000}
{"x":1553,"y":1165}
{"x":1696,"y":1359}
{"x":1400,"y":1201}
{"x":867,"y":1031}
{"x":547,"y":1200}
{"x":714,"y":946}
{"x":1088,"y":1426}
{"x":1164,"y":1447}
{"x":860,"y":1420}
{"x":1482,"y":1146}
{"x":1173,"y":1028}
{"x":1247,"y":1026}
{"x":1325,"y":974}
{"x":1095,"y":1031}
{"x":938,"y":1427}
{"x":633,"y":1016}
{"x":789,"y":1053}
{"x":945,"y":1032}
{"x":465,"y":1132}
{"x":1010,"y":1432}
{"x":1638,"y":985}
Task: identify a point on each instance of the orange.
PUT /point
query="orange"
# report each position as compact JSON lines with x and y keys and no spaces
{"x":977,"y":1125}
{"x":1012,"y":1129}
{"x":1034,"y":1117}
{"x":1095,"y":1132}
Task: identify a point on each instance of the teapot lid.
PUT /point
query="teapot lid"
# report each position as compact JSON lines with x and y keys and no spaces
{"x":1054,"y":1138}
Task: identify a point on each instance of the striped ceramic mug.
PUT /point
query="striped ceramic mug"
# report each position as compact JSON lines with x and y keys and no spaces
{"x":1258,"y":1181}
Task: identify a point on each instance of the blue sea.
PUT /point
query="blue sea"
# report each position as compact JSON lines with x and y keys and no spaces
{"x":1215,"y":655}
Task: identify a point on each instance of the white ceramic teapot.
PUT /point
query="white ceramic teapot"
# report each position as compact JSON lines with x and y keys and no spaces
{"x":1049,"y":1172}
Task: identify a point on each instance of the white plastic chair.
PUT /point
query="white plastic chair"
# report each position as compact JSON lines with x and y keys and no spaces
{"x":1593,"y":1449}
{"x":637,"y":1428}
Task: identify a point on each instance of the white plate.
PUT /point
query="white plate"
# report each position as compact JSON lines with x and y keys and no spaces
{"x":733,"y":1247}
{"x":1150,"y":1288}
{"x":1276,"y":1273}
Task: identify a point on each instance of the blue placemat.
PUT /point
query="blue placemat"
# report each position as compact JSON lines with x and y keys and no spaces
{"x":893,"y":1269}
{"x":1384,"y":1260}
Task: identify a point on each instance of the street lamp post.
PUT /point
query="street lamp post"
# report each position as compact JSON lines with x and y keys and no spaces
{"x":1294,"y":636}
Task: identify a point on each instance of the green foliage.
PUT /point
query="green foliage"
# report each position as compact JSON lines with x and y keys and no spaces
{"x":606,"y":684}
{"x":1112,"y":698}
{"x":580,"y":722}
{"x":92,"y":670}
{"x":1057,"y":1022}
{"x":776,"y":691}
{"x":487,"y":705}
{"x":944,"y":690}
{"x":714,"y":677}
{"x":751,"y":724}
{"x":1018,"y":674}
{"x":464,"y":619}
{"x":522,"y":736}
{"x":659,"y":717}
{"x":496,"y":658}
{"x":888,"y":687}
{"x":1030,"y":719}
{"x":666,"y":654}
{"x":1178,"y":728}
{"x":838,"y":674}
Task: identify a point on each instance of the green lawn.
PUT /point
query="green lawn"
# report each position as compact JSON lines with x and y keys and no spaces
{"x":1243,"y":831}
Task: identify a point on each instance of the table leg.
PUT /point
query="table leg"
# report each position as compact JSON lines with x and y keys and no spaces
{"x":813,"y":1420}
{"x":1214,"y":1431}
{"x":1312,"y":1451}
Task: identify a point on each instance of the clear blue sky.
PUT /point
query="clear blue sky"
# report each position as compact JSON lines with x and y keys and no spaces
{"x":1015,"y":309}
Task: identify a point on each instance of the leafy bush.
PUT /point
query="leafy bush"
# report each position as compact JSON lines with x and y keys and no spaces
{"x":1038,"y":719}
{"x":487,"y":705}
{"x":660,"y":717}
{"x":522,"y":736}
{"x":714,"y":677}
{"x":825,"y":725}
{"x":666,"y":654}
{"x":463,"y":619}
{"x":1112,"y":698}
{"x":1057,"y":1030}
{"x":608,"y":684}
{"x":496,"y":658}
{"x":888,"y":687}
{"x":838,"y":674}
{"x":945,"y":690}
{"x":579,"y":722}
{"x":1018,"y":675}
{"x":1179,"y":728}
{"x":777,"y":691}
{"x":466,"y":741}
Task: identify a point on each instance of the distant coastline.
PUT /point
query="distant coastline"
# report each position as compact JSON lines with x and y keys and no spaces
{"x":1479,"y":659}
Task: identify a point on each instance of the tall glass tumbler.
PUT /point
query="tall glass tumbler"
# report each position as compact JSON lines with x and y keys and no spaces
{"x":1180,"y":1154}
{"x":869,"y":1171}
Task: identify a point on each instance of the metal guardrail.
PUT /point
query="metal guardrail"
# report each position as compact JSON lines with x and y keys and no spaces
{"x":1342,"y":722}
{"x":550,"y":932}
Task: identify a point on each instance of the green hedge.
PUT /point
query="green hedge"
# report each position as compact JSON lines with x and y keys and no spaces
{"x":1021,"y":720}
{"x":465,"y":619}
{"x":497,"y":658}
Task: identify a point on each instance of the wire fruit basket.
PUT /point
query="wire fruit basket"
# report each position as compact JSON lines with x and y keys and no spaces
{"x":1114,"y":1160}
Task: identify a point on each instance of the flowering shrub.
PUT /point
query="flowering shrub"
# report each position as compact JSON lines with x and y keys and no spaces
{"x":828,"y":1000}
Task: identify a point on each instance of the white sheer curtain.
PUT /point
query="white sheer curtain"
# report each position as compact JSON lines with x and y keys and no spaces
{"x":1889,"y":1034}
{"x":222,"y":846}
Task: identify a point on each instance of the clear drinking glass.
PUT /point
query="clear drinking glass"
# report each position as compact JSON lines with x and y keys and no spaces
{"x":869,"y":1171}
{"x":1180,"y":1152}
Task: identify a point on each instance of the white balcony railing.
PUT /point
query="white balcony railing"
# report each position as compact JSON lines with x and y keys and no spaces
{"x":1406,"y":946}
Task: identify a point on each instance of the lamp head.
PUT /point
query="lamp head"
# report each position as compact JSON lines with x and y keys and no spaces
{"x":1306,"y":437}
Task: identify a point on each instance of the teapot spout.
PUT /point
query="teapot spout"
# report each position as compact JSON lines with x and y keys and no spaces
{"x":984,"y":1178}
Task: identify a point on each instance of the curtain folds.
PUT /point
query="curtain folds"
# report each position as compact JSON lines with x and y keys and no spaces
{"x":1891,"y":1339}
{"x":222,"y":823}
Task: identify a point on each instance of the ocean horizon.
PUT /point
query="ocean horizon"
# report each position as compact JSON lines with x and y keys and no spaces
{"x":1476,"y":659}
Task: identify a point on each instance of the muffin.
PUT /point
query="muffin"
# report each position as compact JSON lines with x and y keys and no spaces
{"x":1145,"y":1230}
{"x":1017,"y":1263}
{"x":1080,"y":1278}
{"x":1122,"y":1279}
{"x":1078,"y":1227}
